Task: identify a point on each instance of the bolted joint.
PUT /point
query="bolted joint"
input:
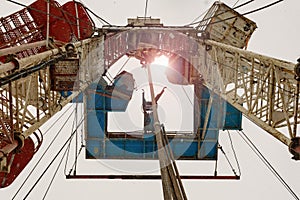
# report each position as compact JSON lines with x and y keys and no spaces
{"x":20,"y":139}
{"x":3,"y":165}
{"x":71,"y":50}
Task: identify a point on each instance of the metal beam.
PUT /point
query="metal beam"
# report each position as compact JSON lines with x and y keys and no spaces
{"x":15,"y":49}
{"x":263,"y":88}
{"x":151,"y":177}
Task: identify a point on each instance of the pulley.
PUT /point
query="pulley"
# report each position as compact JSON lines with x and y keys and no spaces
{"x":294,"y":148}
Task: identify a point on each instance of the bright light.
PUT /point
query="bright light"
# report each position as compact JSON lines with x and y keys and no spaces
{"x":161,"y":60}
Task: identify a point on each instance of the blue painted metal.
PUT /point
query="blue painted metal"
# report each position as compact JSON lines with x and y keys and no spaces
{"x":233,"y":120}
{"x":103,"y":145}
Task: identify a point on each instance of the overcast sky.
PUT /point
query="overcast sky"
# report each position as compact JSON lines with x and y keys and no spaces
{"x":277,"y":36}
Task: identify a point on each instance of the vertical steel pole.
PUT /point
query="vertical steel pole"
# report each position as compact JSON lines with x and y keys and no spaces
{"x":166,"y":182}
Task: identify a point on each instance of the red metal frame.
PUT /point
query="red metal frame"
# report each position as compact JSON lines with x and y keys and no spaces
{"x":30,"y":25}
{"x":153,"y":177}
{"x":18,"y":163}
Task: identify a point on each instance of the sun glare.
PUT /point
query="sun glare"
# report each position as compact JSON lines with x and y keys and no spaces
{"x":161,"y":60}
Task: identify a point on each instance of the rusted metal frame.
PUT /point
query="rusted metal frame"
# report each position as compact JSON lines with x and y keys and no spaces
{"x":15,"y":49}
{"x":231,"y":25}
{"x":22,"y":107}
{"x":44,"y":93}
{"x":259,"y":91}
{"x":35,"y":59}
{"x":264,"y":112}
{"x":236,"y":58}
{"x":8,"y":148}
{"x":282,"y":125}
{"x":245,"y":89}
{"x":257,"y":88}
{"x":283,"y":103}
{"x":56,"y":108}
{"x":296,"y":109}
{"x":251,"y":81}
{"x":255,"y":96}
{"x":288,"y":66}
{"x":17,"y":125}
{"x":11,"y":117}
{"x":151,"y":177}
{"x":26,"y":100}
{"x":4,"y":121}
{"x":222,"y":60}
{"x":48,"y":94}
{"x":250,"y":114}
{"x":39,"y":94}
{"x":27,"y":116}
{"x":15,"y":40}
{"x":271,"y":95}
{"x":216,"y":58}
{"x":17,"y":23}
{"x":262,"y":103}
{"x":18,"y":98}
{"x":5,"y":129}
{"x":139,"y":135}
{"x":252,"y":117}
{"x":8,"y":28}
{"x":259,"y":94}
{"x":230,"y":91}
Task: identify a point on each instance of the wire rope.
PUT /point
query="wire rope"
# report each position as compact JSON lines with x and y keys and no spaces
{"x":187,"y":96}
{"x":228,"y":161}
{"x":52,"y":161}
{"x":246,"y":13}
{"x":69,"y":146}
{"x":51,"y":143}
{"x":102,"y":21}
{"x":267,"y":163}
{"x":58,"y":119}
{"x":234,"y":153}
{"x":203,"y":20}
{"x":236,"y":3}
{"x":97,"y":16}
{"x":54,"y":175}
{"x":74,"y":163}
{"x":251,"y":76}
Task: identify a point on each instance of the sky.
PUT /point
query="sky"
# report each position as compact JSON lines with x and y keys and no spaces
{"x":276,"y":36}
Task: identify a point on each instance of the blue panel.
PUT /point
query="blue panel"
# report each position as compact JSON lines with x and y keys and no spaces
{"x":99,"y":146}
{"x":233,"y":120}
{"x":94,"y":148}
{"x":96,"y":122}
{"x":183,"y":148}
{"x":211,"y":134}
{"x":114,"y":148}
{"x":114,"y":104}
{"x":208,"y":150}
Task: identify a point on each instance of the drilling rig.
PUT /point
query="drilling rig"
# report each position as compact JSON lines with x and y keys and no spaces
{"x":52,"y":54}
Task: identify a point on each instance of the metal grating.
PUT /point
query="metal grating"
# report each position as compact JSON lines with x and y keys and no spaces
{"x":17,"y":29}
